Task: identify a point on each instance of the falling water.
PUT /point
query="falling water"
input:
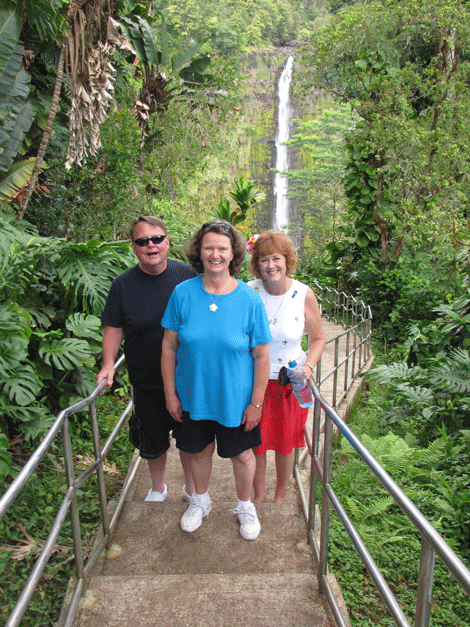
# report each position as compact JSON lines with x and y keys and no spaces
{"x":281,"y":216}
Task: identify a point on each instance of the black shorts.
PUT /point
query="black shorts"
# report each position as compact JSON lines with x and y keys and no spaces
{"x":193,"y":436}
{"x":150,"y":424}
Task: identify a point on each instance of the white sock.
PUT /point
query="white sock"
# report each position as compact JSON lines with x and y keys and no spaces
{"x":244,"y":504}
{"x":204,"y":498}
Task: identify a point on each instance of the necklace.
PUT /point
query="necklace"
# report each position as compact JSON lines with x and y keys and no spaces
{"x":272,"y":319}
{"x":213,"y":307}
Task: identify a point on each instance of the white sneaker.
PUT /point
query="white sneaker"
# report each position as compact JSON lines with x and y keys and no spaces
{"x":249,"y":523}
{"x":155,"y":496}
{"x":192,"y":517}
{"x":186,"y":495}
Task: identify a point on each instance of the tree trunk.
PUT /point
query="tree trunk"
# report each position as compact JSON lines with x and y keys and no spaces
{"x":46,"y":135}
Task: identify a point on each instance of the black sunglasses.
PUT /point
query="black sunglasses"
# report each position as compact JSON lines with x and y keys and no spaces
{"x":144,"y":241}
{"x":224,"y":226}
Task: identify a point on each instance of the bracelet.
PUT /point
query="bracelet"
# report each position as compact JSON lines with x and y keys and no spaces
{"x":310,"y":366}
{"x":257,"y":405}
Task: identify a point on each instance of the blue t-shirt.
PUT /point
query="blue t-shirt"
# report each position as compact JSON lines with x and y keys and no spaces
{"x":214,"y":366}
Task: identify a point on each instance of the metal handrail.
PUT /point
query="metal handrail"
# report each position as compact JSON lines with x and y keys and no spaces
{"x":69,"y":502}
{"x":356,"y":317}
{"x":431,"y":542}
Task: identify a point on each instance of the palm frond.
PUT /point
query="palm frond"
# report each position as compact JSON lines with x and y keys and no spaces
{"x":16,"y":179}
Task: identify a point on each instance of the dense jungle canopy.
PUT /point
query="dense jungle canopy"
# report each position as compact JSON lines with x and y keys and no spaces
{"x":110,"y":109}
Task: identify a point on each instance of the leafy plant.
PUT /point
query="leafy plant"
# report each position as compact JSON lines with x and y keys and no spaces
{"x":51,"y":295}
{"x":245,"y":195}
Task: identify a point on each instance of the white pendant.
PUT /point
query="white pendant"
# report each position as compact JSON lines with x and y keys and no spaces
{"x":213,"y":307}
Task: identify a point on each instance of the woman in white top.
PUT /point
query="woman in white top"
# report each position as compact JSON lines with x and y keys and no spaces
{"x":291,"y":308}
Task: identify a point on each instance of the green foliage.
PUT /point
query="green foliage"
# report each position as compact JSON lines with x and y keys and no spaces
{"x":51,"y":294}
{"x":435,"y":478}
{"x":5,"y":457}
{"x":16,"y":112}
{"x":317,"y":186}
{"x":407,"y":179}
{"x":246,"y":195}
{"x":232,"y":27}
{"x":86,"y":271}
{"x":406,"y":293}
{"x":429,"y":397}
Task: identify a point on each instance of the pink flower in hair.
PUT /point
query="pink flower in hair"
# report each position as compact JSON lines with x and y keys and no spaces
{"x":251,"y":241}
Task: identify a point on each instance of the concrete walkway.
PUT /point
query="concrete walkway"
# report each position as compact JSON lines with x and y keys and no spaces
{"x":155,"y":574}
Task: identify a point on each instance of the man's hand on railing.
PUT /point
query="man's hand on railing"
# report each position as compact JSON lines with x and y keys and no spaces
{"x":106,"y":372}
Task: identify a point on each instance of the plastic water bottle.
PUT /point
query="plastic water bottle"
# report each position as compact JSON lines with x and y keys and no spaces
{"x":300,"y":385}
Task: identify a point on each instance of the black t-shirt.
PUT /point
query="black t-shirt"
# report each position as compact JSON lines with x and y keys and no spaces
{"x":136,"y":303}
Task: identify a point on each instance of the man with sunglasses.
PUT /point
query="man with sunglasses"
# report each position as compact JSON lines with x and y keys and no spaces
{"x":134,"y":309}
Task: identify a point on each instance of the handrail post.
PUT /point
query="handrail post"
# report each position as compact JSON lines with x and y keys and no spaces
{"x":74,"y":514}
{"x":335,"y":375}
{"x":325,"y":507}
{"x":346,"y":365}
{"x":353,"y":368}
{"x":425,"y":580}
{"x":313,"y":473}
{"x":361,"y":340}
{"x":99,"y":471}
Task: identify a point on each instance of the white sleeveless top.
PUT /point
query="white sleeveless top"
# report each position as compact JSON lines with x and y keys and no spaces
{"x":286,"y":323}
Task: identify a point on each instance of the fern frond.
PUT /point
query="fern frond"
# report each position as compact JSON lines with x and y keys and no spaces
{"x":354,"y":507}
{"x":378,"y":507}
{"x":404,"y":540}
{"x":433,"y":454}
{"x":397,"y":371}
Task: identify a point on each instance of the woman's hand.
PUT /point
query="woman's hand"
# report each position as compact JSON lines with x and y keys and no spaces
{"x":308,"y":371}
{"x":174,"y":407}
{"x":251,"y":417}
{"x":169,"y":348}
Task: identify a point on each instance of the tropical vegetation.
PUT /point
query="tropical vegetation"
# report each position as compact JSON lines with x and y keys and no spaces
{"x":108,"y":110}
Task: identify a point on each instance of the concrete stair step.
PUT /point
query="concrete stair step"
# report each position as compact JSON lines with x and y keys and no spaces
{"x":264,"y":600}
{"x":149,"y":541}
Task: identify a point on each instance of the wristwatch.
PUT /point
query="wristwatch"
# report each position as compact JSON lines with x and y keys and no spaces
{"x":257,"y":405}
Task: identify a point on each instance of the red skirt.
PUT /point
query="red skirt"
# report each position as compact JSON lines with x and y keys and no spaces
{"x":282,"y":420}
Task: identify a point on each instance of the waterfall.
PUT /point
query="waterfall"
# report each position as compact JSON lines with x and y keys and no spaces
{"x":281,"y":216}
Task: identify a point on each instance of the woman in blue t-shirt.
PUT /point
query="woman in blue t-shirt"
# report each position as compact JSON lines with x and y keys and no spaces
{"x":215,"y":367}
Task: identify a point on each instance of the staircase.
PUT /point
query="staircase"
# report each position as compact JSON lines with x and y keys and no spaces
{"x":154,"y":573}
